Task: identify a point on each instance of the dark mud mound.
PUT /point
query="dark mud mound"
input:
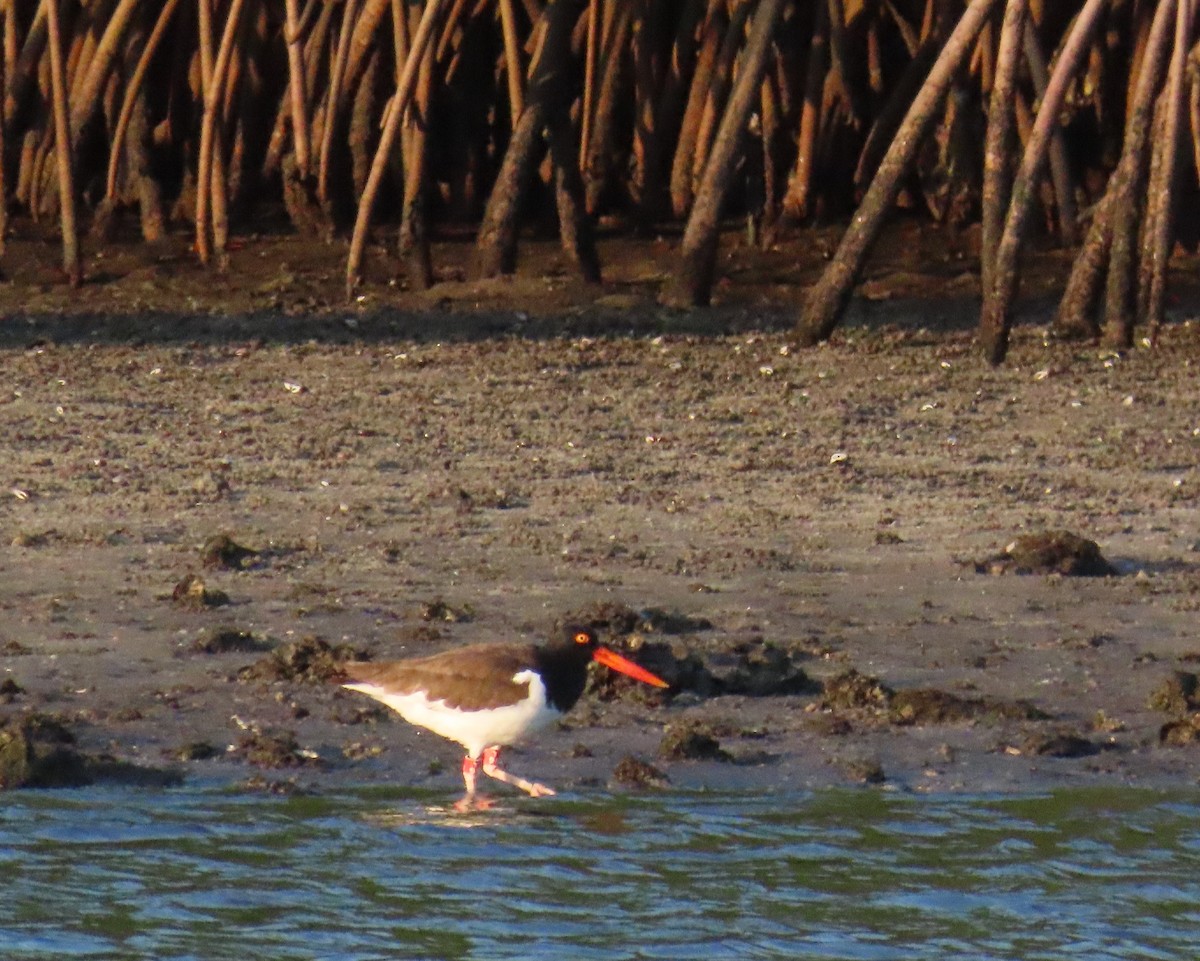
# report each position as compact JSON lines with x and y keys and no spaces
{"x":439,"y":610}
{"x":1178,"y":695}
{"x":691,"y":742}
{"x":193,"y":594}
{"x":225,"y":640}
{"x":38,"y":751}
{"x":852,"y":692}
{"x":197,"y":751}
{"x":862,"y":770}
{"x":620,"y":620}
{"x":1049,"y":552}
{"x":1185,"y":730}
{"x":274,"y":749}
{"x":636,"y":773}
{"x":1059,"y":744}
{"x":10,"y":690}
{"x":222,"y":551}
{"x":759,"y":669}
{"x":308,"y":660}
{"x":931,"y":706}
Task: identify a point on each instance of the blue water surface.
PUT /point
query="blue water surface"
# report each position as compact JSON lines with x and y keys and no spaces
{"x":211,"y":874}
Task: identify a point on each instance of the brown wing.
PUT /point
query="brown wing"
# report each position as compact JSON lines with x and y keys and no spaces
{"x":470,"y":678}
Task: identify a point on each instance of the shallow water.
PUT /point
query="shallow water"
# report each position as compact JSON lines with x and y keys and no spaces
{"x":208,"y":874}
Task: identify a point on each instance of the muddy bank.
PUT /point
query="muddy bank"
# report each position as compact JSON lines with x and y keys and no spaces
{"x":771,"y":520}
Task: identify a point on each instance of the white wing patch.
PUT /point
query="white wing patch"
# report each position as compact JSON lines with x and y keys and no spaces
{"x":474,"y":730}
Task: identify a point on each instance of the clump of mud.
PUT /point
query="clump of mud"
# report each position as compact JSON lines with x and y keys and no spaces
{"x":440,"y":610}
{"x":1058,"y":744}
{"x":931,"y":706}
{"x":620,"y":620}
{"x":39,"y":751}
{"x":1185,"y":730}
{"x":34,"y":538}
{"x":276,"y":787}
{"x":1178,"y":695}
{"x":862,"y":770}
{"x":760,"y":669}
{"x":1049,"y":552}
{"x":224,"y":640}
{"x":194,"y":595}
{"x":691,"y":742}
{"x":10,"y":690}
{"x":632,"y":772}
{"x":852,"y":691}
{"x":277,"y":749}
{"x":196,"y":751}
{"x":359,"y":750}
{"x":308,"y":660}
{"x":221,"y":550}
{"x":366,"y":714}
{"x":861,"y":693}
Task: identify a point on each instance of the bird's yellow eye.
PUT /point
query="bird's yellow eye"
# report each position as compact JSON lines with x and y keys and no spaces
{"x":583,"y":638}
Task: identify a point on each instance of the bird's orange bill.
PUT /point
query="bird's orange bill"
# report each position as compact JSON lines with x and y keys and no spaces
{"x":625,"y":666}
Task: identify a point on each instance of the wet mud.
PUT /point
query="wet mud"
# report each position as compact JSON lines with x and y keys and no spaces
{"x":207,"y":508}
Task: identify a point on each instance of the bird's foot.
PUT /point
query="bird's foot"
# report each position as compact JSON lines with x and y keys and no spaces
{"x":488,"y":762}
{"x":536,"y":790}
{"x":474,"y":802}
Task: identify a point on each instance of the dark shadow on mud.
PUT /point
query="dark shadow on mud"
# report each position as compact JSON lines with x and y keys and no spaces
{"x":1171,"y":565}
{"x":901,"y":322}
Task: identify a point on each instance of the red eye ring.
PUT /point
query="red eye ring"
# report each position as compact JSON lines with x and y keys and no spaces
{"x":582,"y":637}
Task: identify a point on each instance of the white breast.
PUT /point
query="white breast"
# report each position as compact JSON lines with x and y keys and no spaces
{"x":474,"y":730}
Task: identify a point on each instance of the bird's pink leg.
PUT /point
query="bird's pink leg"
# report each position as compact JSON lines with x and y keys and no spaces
{"x":488,"y":762}
{"x":470,"y":801}
{"x":468,"y":768}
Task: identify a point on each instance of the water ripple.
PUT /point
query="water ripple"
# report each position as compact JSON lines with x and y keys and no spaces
{"x":1095,"y":874}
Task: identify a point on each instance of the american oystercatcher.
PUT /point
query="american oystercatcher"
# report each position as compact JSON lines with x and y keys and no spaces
{"x":489,"y":695}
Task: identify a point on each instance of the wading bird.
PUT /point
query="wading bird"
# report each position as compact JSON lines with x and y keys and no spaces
{"x":486,"y":696}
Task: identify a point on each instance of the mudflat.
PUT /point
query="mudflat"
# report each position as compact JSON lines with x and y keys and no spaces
{"x":811,"y":542}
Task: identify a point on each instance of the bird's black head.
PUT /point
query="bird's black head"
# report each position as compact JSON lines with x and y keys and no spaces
{"x":564,"y":663}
